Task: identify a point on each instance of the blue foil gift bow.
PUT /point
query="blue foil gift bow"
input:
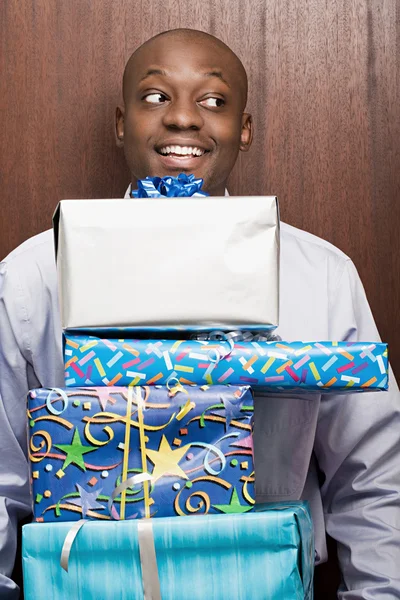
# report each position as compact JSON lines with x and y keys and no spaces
{"x":182,"y":186}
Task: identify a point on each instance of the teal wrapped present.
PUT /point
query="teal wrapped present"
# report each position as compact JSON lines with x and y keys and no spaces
{"x":258,"y":555}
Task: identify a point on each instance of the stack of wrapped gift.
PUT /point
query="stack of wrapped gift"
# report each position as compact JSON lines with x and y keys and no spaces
{"x":161,"y":306}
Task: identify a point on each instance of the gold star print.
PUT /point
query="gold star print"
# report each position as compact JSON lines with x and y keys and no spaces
{"x":165,"y":460}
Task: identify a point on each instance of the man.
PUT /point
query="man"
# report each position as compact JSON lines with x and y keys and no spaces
{"x":184,"y":99}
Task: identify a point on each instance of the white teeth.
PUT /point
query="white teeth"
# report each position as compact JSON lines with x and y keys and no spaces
{"x":182,"y":150}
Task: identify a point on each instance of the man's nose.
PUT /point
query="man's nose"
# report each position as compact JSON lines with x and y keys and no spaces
{"x":183,"y":114}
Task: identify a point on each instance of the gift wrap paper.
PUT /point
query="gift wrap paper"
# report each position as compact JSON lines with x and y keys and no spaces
{"x":257,"y":556}
{"x":195,"y":444}
{"x":321,"y":367}
{"x":191,"y":263}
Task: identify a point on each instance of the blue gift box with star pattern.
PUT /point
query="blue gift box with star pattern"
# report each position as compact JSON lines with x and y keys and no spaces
{"x":114,"y":453}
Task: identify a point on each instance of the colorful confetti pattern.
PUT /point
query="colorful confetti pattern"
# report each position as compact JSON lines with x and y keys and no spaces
{"x":322,"y":367}
{"x":194,"y":443}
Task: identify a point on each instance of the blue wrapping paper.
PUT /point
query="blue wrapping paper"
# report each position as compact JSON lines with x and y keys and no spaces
{"x":265,"y":554}
{"x":194,"y":444}
{"x":322,"y":367}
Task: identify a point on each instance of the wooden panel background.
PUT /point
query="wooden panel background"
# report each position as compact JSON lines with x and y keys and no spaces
{"x":324,"y":92}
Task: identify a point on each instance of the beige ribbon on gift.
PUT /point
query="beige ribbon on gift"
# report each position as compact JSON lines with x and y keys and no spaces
{"x":147,"y":552}
{"x":122,"y":487}
{"x":142,"y":443}
{"x":148,"y":559}
{"x":69,"y":540}
{"x":73,"y":532}
{"x":143,"y":477}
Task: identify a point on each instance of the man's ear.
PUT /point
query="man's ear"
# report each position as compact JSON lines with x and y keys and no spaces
{"x":246,"y":136}
{"x":119,"y":126}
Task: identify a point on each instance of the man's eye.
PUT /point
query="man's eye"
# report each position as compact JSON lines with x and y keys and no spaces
{"x":155,"y":98}
{"x":212,"y":102}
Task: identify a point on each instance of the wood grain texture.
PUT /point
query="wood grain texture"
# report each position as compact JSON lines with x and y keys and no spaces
{"x":324,"y":93}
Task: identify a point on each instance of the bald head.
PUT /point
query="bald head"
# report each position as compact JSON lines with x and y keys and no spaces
{"x":190,"y":40}
{"x":184,"y":93}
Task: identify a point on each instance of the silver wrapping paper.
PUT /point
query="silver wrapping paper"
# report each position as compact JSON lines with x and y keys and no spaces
{"x":169,"y":263}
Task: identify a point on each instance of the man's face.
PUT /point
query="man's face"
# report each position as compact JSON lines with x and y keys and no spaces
{"x":184,"y":113}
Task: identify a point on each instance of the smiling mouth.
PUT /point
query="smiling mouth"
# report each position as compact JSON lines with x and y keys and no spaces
{"x":181,"y":152}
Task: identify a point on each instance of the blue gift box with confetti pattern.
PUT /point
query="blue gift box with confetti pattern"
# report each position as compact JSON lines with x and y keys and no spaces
{"x":120,"y":453}
{"x":322,"y":367}
{"x":268,"y":553}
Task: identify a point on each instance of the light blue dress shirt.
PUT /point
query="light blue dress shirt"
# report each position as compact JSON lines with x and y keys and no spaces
{"x":354,"y":439}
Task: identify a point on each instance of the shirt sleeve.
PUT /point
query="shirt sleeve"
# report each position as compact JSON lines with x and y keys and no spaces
{"x":358,"y":450}
{"x":15,"y":500}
